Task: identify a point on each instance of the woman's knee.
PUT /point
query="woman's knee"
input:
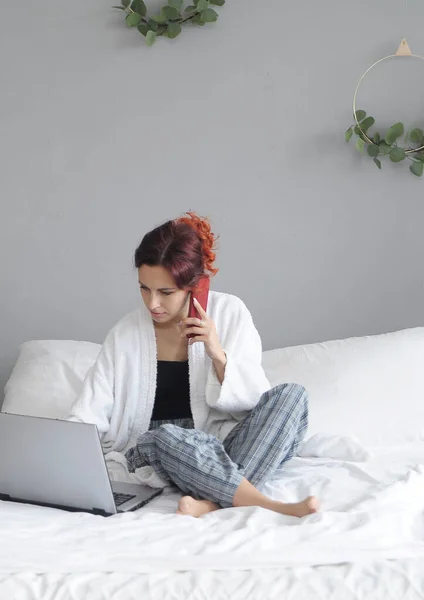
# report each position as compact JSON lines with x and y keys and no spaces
{"x":295,"y":391}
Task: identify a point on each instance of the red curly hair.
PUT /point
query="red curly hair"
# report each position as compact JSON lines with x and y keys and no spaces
{"x":184,"y":247}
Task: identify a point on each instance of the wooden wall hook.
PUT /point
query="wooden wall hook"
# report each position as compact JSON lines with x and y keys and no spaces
{"x":404,"y":49}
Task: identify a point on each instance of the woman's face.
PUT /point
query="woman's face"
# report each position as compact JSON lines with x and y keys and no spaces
{"x":160,"y":294}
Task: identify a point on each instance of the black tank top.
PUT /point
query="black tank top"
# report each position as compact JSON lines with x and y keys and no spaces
{"x":172,"y":400}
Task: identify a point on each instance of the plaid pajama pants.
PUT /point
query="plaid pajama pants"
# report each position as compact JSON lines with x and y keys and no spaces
{"x":203,"y":467}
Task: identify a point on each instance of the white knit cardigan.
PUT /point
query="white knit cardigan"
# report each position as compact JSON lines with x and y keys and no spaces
{"x":119,"y":390}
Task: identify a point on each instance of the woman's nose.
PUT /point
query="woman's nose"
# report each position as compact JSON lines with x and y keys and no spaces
{"x":154,"y":302}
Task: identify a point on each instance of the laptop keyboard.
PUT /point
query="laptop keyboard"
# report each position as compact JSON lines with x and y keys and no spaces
{"x":121,"y":498}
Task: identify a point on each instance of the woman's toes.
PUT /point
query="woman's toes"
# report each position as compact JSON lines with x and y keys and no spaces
{"x":313,"y":504}
{"x":301,"y":509}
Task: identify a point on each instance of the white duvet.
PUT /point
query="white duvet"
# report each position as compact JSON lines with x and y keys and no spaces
{"x":371,"y":510}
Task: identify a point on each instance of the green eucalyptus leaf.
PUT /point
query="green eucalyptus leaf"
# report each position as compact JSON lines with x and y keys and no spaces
{"x":384,"y":148}
{"x":177,"y":4}
{"x":119,"y":7}
{"x":348,"y":134}
{"x":202,"y":5}
{"x":150,"y":38}
{"x":367,"y":123}
{"x":373,"y":150}
{"x":153,"y":26}
{"x":209,"y":15}
{"x":393,"y":133}
{"x":217,"y":2}
{"x":190,"y":10}
{"x":133,"y":19}
{"x":377,"y":162}
{"x":139,"y":7}
{"x":198,"y":20}
{"x":360,"y":115}
{"x":376,"y":138}
{"x":160,"y":18}
{"x":417,"y":168}
{"x":419,"y":156}
{"x":173,"y":30}
{"x":360,"y":145}
{"x":143,"y":28}
{"x":417,"y":136}
{"x":170,"y":13}
{"x":125,"y":3}
{"x":397,"y":154}
{"x":358,"y":132}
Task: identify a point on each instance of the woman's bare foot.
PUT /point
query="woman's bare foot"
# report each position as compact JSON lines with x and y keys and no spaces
{"x":195,"y":508}
{"x":298,"y":509}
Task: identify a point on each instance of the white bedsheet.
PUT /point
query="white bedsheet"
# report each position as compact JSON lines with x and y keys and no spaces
{"x":370,"y":511}
{"x":381,"y":580}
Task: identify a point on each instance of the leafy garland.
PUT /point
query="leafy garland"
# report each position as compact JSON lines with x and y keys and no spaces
{"x":170,"y":18}
{"x":376,"y":145}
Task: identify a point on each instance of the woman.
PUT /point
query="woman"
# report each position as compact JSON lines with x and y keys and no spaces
{"x":199,"y":411}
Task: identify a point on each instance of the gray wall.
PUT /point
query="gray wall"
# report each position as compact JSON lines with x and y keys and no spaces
{"x":102,"y":138}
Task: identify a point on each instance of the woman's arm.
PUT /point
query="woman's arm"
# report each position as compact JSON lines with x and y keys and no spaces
{"x":204,"y":330}
{"x":244,"y":379}
{"x":219,"y":364}
{"x":95,"y":402}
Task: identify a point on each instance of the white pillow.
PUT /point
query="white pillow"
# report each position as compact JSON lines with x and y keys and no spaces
{"x":371,"y":388}
{"x":48,"y":376}
{"x":334,"y":446}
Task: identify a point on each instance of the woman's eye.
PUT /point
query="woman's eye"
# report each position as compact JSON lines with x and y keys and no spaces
{"x":145,"y":289}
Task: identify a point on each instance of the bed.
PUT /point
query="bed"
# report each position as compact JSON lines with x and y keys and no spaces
{"x":363,"y":456}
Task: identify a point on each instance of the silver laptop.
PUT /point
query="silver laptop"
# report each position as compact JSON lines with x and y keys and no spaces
{"x":56,"y":463}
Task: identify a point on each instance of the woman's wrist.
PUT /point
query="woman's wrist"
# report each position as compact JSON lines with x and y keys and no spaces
{"x":219,"y":363}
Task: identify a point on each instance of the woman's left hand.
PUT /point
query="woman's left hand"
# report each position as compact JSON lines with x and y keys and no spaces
{"x":204,"y":330}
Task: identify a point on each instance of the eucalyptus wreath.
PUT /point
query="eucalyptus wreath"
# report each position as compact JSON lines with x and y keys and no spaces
{"x":376,"y":145}
{"x":170,"y":18}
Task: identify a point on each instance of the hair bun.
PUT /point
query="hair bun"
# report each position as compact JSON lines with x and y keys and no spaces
{"x":202,"y":227}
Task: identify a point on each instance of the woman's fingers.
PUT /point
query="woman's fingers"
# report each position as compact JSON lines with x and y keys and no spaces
{"x":199,"y":308}
{"x":192,"y":321}
{"x":193,"y":330}
{"x":198,"y":338}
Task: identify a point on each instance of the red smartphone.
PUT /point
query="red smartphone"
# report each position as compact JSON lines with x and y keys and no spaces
{"x":201,"y":293}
